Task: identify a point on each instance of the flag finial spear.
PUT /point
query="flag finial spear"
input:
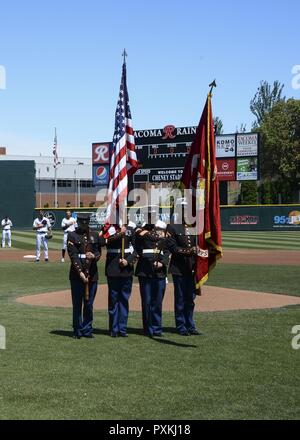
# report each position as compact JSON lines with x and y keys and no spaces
{"x":124,"y":54}
{"x":212,"y":85}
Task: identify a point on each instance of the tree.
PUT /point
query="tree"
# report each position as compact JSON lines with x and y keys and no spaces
{"x":265,"y":99}
{"x":268,"y":192}
{"x":280,"y":146}
{"x":249,"y":193}
{"x":242,"y":129}
{"x":218,"y":124}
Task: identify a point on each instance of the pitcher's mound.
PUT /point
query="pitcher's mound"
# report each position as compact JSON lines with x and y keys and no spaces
{"x":212,"y":299}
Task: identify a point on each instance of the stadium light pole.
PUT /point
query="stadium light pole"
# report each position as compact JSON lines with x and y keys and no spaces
{"x":40,"y":201}
{"x":75,"y":189}
{"x":79,"y":163}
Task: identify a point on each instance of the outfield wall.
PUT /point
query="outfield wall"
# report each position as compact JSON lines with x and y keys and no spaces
{"x":233,"y":218}
{"x":261,"y":218}
{"x":17,"y":191}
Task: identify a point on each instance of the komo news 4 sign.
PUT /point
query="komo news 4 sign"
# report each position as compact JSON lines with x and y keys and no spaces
{"x":100,"y":154}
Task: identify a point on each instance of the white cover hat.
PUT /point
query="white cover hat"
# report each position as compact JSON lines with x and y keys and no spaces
{"x":131,"y":224}
{"x":160,"y":224}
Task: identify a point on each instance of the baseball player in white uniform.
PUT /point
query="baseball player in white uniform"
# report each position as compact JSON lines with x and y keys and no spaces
{"x":68,"y":224}
{"x":42,"y":226}
{"x":6,"y":231}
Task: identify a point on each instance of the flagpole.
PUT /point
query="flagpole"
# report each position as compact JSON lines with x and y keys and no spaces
{"x":55,"y":174}
{"x":123,"y":146}
{"x":124,"y":55}
{"x":212,"y":85}
{"x":124,"y":207}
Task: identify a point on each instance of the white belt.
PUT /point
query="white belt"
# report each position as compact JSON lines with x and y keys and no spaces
{"x":151,"y":251}
{"x":119,"y":251}
{"x":82,"y":256}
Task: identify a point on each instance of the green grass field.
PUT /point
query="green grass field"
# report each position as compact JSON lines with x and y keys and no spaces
{"x":241,"y":367}
{"x":231,"y":240}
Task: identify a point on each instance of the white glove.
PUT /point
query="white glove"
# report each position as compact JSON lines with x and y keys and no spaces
{"x":112,"y":230}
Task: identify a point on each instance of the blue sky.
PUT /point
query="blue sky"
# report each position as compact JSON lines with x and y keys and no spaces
{"x":63,"y":65}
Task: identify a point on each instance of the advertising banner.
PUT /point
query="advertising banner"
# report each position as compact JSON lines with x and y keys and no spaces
{"x":226,"y":169}
{"x":247,"y":169}
{"x":225,"y":146}
{"x":289,"y":219}
{"x":261,"y":218}
{"x":100,"y":155}
{"x":100,"y":175}
{"x":247,"y":145}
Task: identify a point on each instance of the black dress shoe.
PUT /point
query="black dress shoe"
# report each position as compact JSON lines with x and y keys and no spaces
{"x":89,"y":336}
{"x":158,"y":335}
{"x":114,"y":335}
{"x":123,"y":335}
{"x":76,"y":337}
{"x":186,"y":333}
{"x":194,"y":332}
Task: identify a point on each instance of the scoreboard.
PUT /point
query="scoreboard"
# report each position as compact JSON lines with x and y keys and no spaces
{"x":162,"y":153}
{"x":161,"y":162}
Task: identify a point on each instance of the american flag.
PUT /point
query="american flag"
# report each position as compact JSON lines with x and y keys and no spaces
{"x":123,"y":160}
{"x":55,"y":155}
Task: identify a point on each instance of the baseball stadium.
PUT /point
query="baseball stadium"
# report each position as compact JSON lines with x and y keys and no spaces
{"x":149,"y":274}
{"x":242,"y":366}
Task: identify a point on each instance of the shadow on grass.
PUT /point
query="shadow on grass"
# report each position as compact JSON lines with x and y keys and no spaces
{"x":162,"y":340}
{"x":132,"y":331}
{"x":69,"y":333}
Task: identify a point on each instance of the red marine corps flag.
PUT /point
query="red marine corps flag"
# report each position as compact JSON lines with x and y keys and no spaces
{"x":200,"y":173}
{"x":123,"y":160}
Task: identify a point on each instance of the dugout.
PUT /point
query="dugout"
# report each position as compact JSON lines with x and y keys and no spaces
{"x":17,"y":191}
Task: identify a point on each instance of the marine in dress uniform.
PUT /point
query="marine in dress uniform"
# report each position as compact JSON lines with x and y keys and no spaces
{"x":151,"y":270}
{"x":84,"y":249}
{"x":183,"y":247}
{"x":119,"y":270}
